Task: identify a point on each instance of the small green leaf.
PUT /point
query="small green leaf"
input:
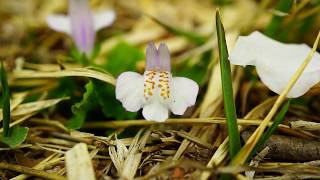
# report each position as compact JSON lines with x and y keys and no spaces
{"x":67,"y":87}
{"x":77,"y":120}
{"x":266,"y":135}
{"x":123,"y":57}
{"x":79,"y":56}
{"x":17,"y":135}
{"x":95,"y":52}
{"x":111,"y":107}
{"x":229,"y":106}
{"x":5,"y":100}
{"x":98,"y":94}
{"x":195,"y":38}
{"x":81,"y":108}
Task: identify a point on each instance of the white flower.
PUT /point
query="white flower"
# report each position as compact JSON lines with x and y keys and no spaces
{"x":156,"y":91}
{"x":276,"y":62}
{"x":81,"y":23}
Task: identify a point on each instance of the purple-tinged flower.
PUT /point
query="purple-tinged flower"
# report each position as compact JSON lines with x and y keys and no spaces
{"x":156,"y":91}
{"x":81,"y":23}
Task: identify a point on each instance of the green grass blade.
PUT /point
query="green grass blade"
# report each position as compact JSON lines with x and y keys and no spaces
{"x":278,"y":120}
{"x":229,"y":106}
{"x":5,"y":101}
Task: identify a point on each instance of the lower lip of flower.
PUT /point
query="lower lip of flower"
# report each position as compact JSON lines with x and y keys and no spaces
{"x":157,"y":84}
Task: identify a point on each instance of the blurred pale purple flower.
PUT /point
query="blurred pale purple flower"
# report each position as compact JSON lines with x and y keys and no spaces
{"x":276,"y":62}
{"x":81,"y":23}
{"x":156,"y":91}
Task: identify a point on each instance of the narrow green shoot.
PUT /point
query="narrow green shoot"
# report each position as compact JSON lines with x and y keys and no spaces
{"x":278,"y":120}
{"x":229,"y":106}
{"x":5,"y":101}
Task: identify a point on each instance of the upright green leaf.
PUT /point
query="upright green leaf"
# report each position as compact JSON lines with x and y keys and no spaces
{"x":5,"y":101}
{"x":16,"y":136}
{"x":229,"y":106}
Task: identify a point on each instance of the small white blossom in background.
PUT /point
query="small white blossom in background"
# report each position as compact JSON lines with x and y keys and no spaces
{"x":81,"y":24}
{"x":276,"y":62}
{"x":156,"y":91}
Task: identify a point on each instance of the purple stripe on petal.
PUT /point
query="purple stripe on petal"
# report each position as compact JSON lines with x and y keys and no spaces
{"x":82,"y":25}
{"x":164,"y":57}
{"x":152,"y":60}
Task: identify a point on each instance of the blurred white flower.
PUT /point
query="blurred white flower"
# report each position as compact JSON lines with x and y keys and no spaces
{"x":81,"y":24}
{"x":276,"y":62}
{"x":156,"y":91}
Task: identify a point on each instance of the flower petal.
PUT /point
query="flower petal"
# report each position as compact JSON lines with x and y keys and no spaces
{"x":276,"y":62}
{"x":155,"y":111}
{"x":60,"y":23}
{"x":152,"y":62}
{"x":129,"y":90}
{"x":277,"y":81}
{"x":82,"y":26}
{"x":103,"y":19}
{"x":184,"y":93}
{"x":164,"y":57}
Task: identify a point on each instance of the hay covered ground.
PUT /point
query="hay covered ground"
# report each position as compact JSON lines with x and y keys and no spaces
{"x":69,"y":124}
